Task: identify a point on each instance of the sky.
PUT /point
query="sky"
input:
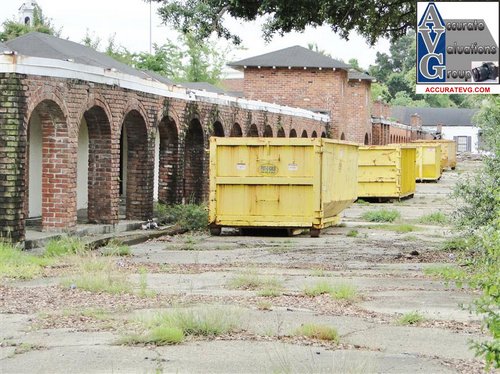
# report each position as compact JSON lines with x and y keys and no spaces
{"x":129,"y":21}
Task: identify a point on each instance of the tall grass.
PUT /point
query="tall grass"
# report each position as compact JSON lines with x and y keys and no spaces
{"x":381,"y":215}
{"x":17,"y":264}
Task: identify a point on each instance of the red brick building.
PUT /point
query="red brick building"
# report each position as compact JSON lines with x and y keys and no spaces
{"x":299,"y":77}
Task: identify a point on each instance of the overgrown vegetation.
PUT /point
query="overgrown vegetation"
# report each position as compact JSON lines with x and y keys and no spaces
{"x":116,"y":248}
{"x":341,"y":291}
{"x":381,"y":215}
{"x":411,"y":318}
{"x":188,"y":216}
{"x":315,"y":331}
{"x":251,"y":280}
{"x":64,"y":246}
{"x":478,"y":220}
{"x":438,"y":218}
{"x":172,"y":327}
{"x":14,"y":263}
{"x":352,"y":233}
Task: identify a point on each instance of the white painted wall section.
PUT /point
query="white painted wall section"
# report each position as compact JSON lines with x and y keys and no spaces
{"x":450,"y":131}
{"x":35,"y":166}
{"x":82,"y":170}
{"x":157,"y":166}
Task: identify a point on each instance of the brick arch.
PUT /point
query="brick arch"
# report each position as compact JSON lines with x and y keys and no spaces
{"x":293,"y":133}
{"x":94,"y":100}
{"x":101,"y":188}
{"x":314,"y":134}
{"x":217,"y":129}
{"x":134,"y":105}
{"x":253,"y":131}
{"x":342,"y":136}
{"x":236,"y":130}
{"x":139,"y":189}
{"x":281,"y":133}
{"x":168,"y":161}
{"x":304,"y":134}
{"x":58,"y":185}
{"x":194,"y":162}
{"x":367,"y":139}
{"x":39,"y":96}
{"x":323,"y":134}
{"x":268,"y":132}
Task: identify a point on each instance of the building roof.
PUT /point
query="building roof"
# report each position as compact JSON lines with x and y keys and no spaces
{"x":35,"y":44}
{"x":295,"y":56}
{"x":354,"y":75}
{"x":203,"y":86}
{"x":4,"y":47}
{"x":435,"y":116}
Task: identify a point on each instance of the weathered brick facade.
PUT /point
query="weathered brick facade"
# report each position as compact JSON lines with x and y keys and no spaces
{"x":184,"y":127}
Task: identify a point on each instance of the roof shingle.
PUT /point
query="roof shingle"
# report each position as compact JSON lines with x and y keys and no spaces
{"x":295,"y":56}
{"x":435,"y":116}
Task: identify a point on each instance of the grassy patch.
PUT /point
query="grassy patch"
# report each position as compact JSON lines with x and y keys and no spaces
{"x":27,"y":347}
{"x":341,"y":291}
{"x":362,"y":202}
{"x":113,"y":282}
{"x":318,"y":288}
{"x":116,"y":248}
{"x":438,"y":218}
{"x":17,"y":264}
{"x":352,"y":233}
{"x":320,"y":332}
{"x":447,"y":272}
{"x":270,"y":291}
{"x":171,"y":327}
{"x":411,"y":318}
{"x":381,"y":215}
{"x":401,"y":228}
{"x":344,"y":291}
{"x":188,"y":216}
{"x":411,"y":238}
{"x":455,"y":244}
{"x":251,"y":280}
{"x":264,"y":305}
{"x":64,"y":246}
{"x":320,"y":273}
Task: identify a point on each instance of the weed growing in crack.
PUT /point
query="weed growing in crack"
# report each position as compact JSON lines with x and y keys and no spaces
{"x":438,"y":218}
{"x":411,"y":318}
{"x":352,"y":233}
{"x":381,"y":215}
{"x":315,"y":331}
{"x":116,"y":248}
{"x":18,"y":264}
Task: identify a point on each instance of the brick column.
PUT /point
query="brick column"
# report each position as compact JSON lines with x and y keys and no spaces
{"x":13,"y":139}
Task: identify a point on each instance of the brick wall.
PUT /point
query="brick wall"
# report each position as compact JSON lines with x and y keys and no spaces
{"x":108,"y":110}
{"x":357,"y":108}
{"x":314,"y":89}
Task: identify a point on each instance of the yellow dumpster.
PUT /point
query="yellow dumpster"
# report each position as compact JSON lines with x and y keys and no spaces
{"x":428,"y":165}
{"x":280,"y":182}
{"x":448,"y":152}
{"x":386,"y":171}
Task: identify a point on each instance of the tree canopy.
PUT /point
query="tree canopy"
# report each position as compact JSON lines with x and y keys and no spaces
{"x":12,"y":28}
{"x":370,"y":18}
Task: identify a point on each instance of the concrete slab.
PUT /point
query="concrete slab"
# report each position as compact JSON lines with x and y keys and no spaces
{"x":442,"y":305}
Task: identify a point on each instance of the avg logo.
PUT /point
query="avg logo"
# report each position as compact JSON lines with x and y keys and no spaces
{"x":431,"y":47}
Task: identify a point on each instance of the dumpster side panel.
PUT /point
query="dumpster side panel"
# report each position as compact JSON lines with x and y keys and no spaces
{"x":379,"y":171}
{"x":428,"y":161}
{"x":264,"y":182}
{"x":408,"y":170}
{"x":339,"y":186}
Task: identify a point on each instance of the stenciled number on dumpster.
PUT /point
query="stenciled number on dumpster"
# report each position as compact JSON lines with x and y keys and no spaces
{"x":268,"y":169}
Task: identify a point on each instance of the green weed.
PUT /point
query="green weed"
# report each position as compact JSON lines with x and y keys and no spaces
{"x":318,"y":288}
{"x":352,"y":233}
{"x":455,"y":244}
{"x":438,"y":218}
{"x":15,"y":263}
{"x":320,"y":332}
{"x":116,"y":248}
{"x":381,"y":215}
{"x":411,"y":318}
{"x":188,"y":216}
{"x":64,"y":246}
{"x":344,"y":291}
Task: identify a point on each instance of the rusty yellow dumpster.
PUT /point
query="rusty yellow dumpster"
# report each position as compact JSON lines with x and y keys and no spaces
{"x":280,"y":182}
{"x":386,"y":171}
{"x":428,"y":165}
{"x":448,"y":152}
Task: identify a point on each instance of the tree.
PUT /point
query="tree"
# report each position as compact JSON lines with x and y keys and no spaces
{"x":12,"y":29}
{"x":369,"y":18}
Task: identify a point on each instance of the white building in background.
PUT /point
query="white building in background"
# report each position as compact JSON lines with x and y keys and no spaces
{"x":27,"y":12}
{"x":456,"y":124}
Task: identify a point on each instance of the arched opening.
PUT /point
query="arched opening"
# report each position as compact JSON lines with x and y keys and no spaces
{"x":253,"y":131}
{"x":136,"y":187}
{"x":367,"y":140}
{"x":304,"y":134}
{"x":94,"y":177}
{"x":50,"y":169}
{"x":27,"y":20}
{"x":268,"y":132}
{"x":194,"y":161}
{"x":342,"y":136}
{"x":236,"y":131}
{"x":293,"y":133}
{"x":218,"y":129}
{"x":323,"y":134}
{"x":314,"y":134}
{"x":281,"y":133}
{"x":168,"y":161}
